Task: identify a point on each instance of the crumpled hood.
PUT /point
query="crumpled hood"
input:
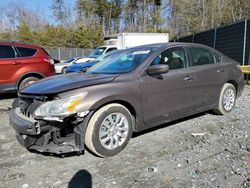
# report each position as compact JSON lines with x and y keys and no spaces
{"x":60,"y":83}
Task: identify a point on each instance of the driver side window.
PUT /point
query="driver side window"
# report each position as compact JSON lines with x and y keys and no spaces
{"x":175,"y":58}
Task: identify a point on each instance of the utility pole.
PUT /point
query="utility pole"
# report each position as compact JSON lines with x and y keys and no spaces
{"x":144,"y":15}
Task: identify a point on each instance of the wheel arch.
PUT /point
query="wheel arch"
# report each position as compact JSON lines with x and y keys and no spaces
{"x":127,"y":105}
{"x":235,"y":84}
{"x":30,"y":74}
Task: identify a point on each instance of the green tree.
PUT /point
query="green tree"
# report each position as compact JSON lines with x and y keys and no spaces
{"x":89,"y":37}
{"x":7,"y":36}
{"x":85,"y":12}
{"x":24,"y":33}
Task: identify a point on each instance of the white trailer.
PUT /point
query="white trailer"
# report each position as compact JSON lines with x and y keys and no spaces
{"x":128,"y":40}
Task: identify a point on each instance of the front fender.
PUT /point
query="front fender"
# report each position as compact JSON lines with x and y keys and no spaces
{"x":100,"y":95}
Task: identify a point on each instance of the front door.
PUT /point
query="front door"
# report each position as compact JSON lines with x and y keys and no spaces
{"x":168,"y":95}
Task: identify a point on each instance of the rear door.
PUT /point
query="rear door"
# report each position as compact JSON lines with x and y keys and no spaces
{"x":209,"y":75}
{"x":168,"y":95}
{"x":28,"y":58}
{"x":8,"y":64}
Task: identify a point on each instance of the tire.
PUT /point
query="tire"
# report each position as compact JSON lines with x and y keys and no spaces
{"x":63,"y":70}
{"x":227,"y":99}
{"x":100,"y":129}
{"x":27,"y":81}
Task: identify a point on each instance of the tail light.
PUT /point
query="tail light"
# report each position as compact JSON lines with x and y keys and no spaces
{"x":49,"y":60}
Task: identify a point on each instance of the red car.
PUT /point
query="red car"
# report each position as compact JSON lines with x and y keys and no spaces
{"x":22,"y":64}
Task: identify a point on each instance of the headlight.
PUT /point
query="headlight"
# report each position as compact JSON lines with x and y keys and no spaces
{"x":59,"y":108}
{"x":84,"y":69}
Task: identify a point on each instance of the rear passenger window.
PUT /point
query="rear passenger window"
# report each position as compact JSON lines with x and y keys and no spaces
{"x":175,"y":58}
{"x":6,"y":52}
{"x":217,"y":58}
{"x":26,"y":52}
{"x":201,"y":56}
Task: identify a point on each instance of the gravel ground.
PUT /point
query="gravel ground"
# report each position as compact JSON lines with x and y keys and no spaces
{"x":205,"y":150}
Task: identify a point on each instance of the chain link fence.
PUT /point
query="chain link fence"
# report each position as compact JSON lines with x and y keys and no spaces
{"x":66,"y":53}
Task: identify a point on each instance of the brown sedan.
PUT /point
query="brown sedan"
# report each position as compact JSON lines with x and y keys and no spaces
{"x":129,"y":91}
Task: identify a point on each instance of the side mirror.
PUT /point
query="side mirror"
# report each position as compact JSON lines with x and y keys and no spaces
{"x":158,"y":69}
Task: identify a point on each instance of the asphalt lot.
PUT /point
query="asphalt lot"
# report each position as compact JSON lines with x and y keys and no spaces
{"x":205,"y":150}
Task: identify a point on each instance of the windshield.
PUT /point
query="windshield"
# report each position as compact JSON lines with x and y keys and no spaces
{"x":100,"y":58}
{"x":97,"y":52}
{"x":69,"y":60}
{"x":120,"y":62}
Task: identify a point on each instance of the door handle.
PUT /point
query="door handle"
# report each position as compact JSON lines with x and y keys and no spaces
{"x":188,"y":78}
{"x":220,"y":70}
{"x":16,"y":63}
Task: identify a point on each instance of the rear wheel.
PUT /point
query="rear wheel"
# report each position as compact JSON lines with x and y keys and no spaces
{"x":27,"y":82}
{"x":109,"y":130}
{"x":227,"y":99}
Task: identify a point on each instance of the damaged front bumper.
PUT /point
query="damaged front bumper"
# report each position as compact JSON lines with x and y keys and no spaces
{"x":47,"y":136}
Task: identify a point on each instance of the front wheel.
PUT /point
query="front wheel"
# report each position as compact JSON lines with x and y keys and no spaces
{"x":63,"y":71}
{"x":227,"y":99}
{"x":109,"y":130}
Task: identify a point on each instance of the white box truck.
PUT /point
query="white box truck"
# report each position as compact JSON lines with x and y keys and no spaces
{"x":126,"y":40}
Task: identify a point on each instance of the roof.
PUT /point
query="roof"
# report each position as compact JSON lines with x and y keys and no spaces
{"x":172,"y":44}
